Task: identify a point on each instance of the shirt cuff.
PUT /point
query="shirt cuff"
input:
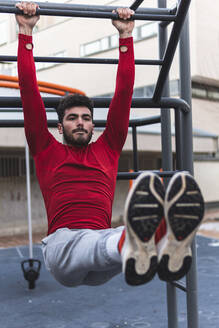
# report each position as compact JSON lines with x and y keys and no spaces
{"x":125,"y":44}
{"x":27,"y":38}
{"x":126,"y":41}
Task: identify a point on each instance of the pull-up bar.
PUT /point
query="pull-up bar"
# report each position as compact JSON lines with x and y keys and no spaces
{"x":103,"y":102}
{"x":9,"y":7}
{"x":52,"y":123}
{"x":82,"y":60}
{"x":67,"y":6}
{"x":87,"y":14}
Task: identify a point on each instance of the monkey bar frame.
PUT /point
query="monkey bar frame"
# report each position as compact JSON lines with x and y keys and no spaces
{"x":183,"y":115}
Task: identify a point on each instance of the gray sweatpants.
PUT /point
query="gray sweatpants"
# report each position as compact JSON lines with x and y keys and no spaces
{"x":82,"y":257}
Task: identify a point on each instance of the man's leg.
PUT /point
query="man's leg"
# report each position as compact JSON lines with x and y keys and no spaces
{"x":150,"y":244}
{"x":184,"y":211}
{"x":93,"y":257}
{"x":83,"y":257}
{"x":142,"y":216}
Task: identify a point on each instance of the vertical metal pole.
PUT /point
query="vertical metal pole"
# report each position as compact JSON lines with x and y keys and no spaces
{"x":171,"y":48}
{"x":27,"y":158}
{"x":165,"y":114}
{"x":178,"y":139}
{"x":136,"y":4}
{"x":135,"y":148}
{"x":185,"y":73}
{"x":167,"y":163}
{"x":186,"y":94}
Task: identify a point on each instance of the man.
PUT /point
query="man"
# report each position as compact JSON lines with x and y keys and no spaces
{"x":78,"y":178}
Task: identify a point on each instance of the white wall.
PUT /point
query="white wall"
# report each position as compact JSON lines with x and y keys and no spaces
{"x":204,"y":29}
{"x":207,"y":175}
{"x":207,"y":36}
{"x":13,"y":205}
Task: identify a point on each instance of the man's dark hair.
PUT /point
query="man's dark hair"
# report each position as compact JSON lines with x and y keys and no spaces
{"x":75,"y":100}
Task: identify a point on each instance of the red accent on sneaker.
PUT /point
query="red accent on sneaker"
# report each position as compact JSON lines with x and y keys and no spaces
{"x":121,"y":241}
{"x":161,"y":231}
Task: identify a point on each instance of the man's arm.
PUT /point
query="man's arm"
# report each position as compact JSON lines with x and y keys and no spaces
{"x":35,"y":122}
{"x":118,"y":115}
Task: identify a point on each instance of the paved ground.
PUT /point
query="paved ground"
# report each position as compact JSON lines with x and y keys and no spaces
{"x":113,"y":305}
{"x":207,"y":230}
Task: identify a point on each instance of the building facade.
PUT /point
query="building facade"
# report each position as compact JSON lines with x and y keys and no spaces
{"x":97,"y":38}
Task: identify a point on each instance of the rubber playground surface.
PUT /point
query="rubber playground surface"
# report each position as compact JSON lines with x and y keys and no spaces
{"x":113,"y":305}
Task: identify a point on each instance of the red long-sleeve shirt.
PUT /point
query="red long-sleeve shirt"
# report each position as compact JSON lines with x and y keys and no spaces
{"x":77,"y":184}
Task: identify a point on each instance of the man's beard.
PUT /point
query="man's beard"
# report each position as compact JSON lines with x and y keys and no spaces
{"x":80,"y":141}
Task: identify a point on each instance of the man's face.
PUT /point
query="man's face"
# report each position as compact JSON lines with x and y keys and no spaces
{"x":77,"y":126}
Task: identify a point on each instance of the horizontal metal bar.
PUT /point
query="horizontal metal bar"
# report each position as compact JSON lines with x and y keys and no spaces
{"x":171,"y":48}
{"x":46,"y":5}
{"x":134,"y":175}
{"x":81,"y":60}
{"x":87,"y":14}
{"x":103,"y":102}
{"x":173,"y":12}
{"x":145,"y":121}
{"x":18,"y":123}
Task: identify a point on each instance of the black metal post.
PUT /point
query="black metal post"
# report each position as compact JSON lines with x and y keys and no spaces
{"x":136,"y":4}
{"x":187,"y":137}
{"x":171,"y":48}
{"x":179,"y":140}
{"x":167,"y":161}
{"x":165,"y":115}
{"x":135,"y":148}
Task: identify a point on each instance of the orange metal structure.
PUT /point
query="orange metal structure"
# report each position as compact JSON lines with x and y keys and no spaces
{"x":11,"y":82}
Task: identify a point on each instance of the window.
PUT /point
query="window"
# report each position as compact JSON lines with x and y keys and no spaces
{"x":141,"y":32}
{"x":3,"y":32}
{"x":11,"y":68}
{"x":148,"y":90}
{"x":104,"y":43}
{"x":125,"y":163}
{"x":91,"y":47}
{"x":148,"y":30}
{"x":135,"y":34}
{"x":199,"y":93}
{"x":114,"y":41}
{"x":214,"y":95}
{"x":138,"y":92}
{"x":14,"y":166}
{"x":174,"y":88}
{"x":7,"y":68}
{"x":204,"y":91}
{"x":45,"y":65}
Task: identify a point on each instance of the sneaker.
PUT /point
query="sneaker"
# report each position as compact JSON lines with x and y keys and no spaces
{"x":142,"y":215}
{"x":184,"y":210}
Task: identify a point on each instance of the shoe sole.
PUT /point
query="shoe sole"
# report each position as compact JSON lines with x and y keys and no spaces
{"x":184,"y":210}
{"x":142,"y":215}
